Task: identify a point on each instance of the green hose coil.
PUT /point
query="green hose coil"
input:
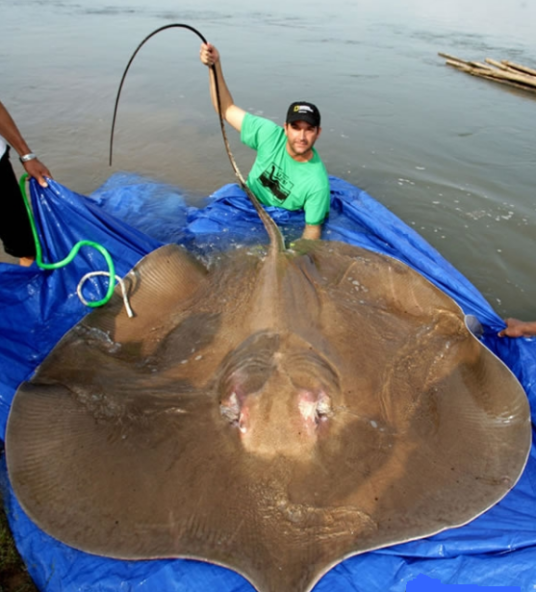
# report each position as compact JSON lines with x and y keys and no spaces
{"x":72,"y":254}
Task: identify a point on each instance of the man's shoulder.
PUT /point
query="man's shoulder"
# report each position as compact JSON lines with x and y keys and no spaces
{"x":258,"y":122}
{"x":257,"y":131}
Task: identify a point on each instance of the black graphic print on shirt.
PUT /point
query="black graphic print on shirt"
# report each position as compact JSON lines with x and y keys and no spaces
{"x":274,"y":179}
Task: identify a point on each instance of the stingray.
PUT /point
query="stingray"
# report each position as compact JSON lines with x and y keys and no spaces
{"x":270,"y":410}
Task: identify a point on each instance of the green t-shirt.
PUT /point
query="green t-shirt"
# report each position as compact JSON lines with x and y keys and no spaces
{"x":279,"y":180}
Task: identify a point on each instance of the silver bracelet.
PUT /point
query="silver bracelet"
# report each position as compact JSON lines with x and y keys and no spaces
{"x":27,"y":157}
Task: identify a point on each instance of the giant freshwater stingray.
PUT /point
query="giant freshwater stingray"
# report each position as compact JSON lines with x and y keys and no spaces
{"x":274,"y":411}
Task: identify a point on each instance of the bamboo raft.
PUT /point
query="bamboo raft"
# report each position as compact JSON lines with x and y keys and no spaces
{"x":504,"y":72}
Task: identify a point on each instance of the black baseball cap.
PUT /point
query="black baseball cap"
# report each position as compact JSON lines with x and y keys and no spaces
{"x":304,"y":111}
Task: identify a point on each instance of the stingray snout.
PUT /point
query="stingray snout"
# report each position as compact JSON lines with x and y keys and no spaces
{"x":279,"y":418}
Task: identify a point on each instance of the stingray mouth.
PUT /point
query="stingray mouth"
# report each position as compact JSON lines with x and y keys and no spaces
{"x":278,"y":393}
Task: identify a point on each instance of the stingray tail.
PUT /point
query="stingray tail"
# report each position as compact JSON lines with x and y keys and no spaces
{"x":277,"y":242}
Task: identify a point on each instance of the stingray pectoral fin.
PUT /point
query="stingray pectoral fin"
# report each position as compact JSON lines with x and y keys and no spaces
{"x":377,"y":280}
{"x":39,"y":444}
{"x":452,"y":423}
{"x":160,"y":285}
{"x":121,"y":483}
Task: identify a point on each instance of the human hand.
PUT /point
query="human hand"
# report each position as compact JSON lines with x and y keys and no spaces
{"x":517,"y":328}
{"x":208,"y":54}
{"x":36,"y":169}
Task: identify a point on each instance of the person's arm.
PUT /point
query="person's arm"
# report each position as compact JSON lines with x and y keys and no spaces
{"x":517,"y":328}
{"x":312,"y":231}
{"x":229,"y":111}
{"x":316,"y":208}
{"x":9,"y":130}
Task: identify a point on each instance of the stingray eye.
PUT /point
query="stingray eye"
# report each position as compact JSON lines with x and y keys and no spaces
{"x":320,"y":415}
{"x":230,"y":408}
{"x":323,"y":408}
{"x":314,"y":406}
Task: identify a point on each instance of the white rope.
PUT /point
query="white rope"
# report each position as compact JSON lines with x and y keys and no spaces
{"x":119,"y":281}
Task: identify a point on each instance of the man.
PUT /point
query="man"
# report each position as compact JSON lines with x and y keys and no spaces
{"x":15,"y":230}
{"x":516,"y":328}
{"x":287,"y":172}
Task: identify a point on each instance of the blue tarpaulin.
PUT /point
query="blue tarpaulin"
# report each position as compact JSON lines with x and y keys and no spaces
{"x":131,"y":216}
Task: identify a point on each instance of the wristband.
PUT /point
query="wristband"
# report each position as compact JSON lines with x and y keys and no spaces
{"x":27,"y":157}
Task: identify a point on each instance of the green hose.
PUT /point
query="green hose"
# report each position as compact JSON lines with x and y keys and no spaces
{"x":72,"y":254}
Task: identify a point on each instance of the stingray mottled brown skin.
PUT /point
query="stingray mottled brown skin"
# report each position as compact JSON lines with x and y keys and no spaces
{"x":274,"y":413}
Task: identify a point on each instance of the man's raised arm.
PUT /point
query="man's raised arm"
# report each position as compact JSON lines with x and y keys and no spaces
{"x":230,"y":112}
